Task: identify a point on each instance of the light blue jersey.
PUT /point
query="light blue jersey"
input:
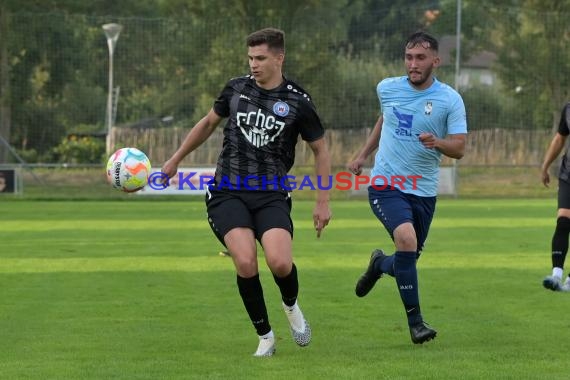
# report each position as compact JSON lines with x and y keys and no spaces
{"x":401,"y":159}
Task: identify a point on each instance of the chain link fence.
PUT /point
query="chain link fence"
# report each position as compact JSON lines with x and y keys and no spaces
{"x":55,"y":71}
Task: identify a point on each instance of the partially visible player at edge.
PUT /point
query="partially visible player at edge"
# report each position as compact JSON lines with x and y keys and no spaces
{"x":559,"y":243}
{"x":266,"y":113}
{"x":421,"y":119}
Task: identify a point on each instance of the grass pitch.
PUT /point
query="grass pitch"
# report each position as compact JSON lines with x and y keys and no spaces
{"x":137,"y":290}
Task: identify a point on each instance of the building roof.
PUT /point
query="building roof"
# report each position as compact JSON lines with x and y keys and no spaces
{"x":482,"y":59}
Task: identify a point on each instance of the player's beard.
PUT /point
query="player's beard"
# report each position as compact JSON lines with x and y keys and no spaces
{"x":423,"y":78}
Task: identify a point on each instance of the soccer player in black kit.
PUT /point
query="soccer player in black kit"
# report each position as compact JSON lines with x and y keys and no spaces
{"x":248,"y":199}
{"x":562,"y":230}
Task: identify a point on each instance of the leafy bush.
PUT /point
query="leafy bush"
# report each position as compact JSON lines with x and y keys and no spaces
{"x":80,"y":150}
{"x":489,"y":108}
{"x":29,"y":156}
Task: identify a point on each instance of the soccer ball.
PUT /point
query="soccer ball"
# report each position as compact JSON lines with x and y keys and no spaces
{"x":128,"y":170}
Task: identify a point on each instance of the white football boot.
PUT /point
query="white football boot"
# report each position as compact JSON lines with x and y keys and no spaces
{"x":300,"y":329}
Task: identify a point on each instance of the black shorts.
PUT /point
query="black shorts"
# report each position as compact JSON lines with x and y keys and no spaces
{"x":563,"y":194}
{"x":257,"y":210}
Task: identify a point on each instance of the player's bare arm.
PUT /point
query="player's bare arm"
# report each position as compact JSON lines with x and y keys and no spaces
{"x":197,"y":135}
{"x":321,"y":213}
{"x":556,"y":146}
{"x":452,"y":146}
{"x":371,"y":144}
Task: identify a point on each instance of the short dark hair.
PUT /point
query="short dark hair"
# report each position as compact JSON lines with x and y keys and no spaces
{"x":423,"y":39}
{"x":274,"y":38}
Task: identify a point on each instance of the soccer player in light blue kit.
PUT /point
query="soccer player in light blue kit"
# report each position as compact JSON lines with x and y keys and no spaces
{"x":421,"y":119}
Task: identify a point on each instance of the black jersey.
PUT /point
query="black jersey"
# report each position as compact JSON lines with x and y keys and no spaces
{"x":564,"y":130}
{"x":261,"y":132}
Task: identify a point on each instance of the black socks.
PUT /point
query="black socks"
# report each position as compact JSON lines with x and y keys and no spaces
{"x":251,"y":294}
{"x":289,"y":287}
{"x":560,"y":242}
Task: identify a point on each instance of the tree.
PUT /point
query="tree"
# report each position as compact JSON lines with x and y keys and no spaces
{"x":49,"y":65}
{"x":379,"y":27}
{"x":531,"y":40}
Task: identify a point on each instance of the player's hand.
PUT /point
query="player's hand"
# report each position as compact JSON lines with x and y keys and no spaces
{"x":170,"y":168}
{"x":321,"y":216}
{"x":428,"y":140}
{"x":355,"y":166}
{"x":545,"y":177}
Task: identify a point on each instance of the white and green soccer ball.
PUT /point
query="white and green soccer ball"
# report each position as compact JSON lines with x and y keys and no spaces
{"x":128,"y":170}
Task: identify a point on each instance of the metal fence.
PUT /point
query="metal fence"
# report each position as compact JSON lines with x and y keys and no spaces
{"x":62,"y":91}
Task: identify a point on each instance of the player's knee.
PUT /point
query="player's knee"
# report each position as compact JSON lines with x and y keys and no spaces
{"x":246,"y":266}
{"x":406,"y":245}
{"x":405,"y":241}
{"x":280,"y":268}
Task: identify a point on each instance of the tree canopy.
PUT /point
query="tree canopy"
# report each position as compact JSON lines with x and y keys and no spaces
{"x":174,"y":56}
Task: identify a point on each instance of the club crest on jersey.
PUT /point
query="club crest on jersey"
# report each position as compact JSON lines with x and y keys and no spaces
{"x":258,"y":128}
{"x":428,"y":107}
{"x":281,"y":109}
